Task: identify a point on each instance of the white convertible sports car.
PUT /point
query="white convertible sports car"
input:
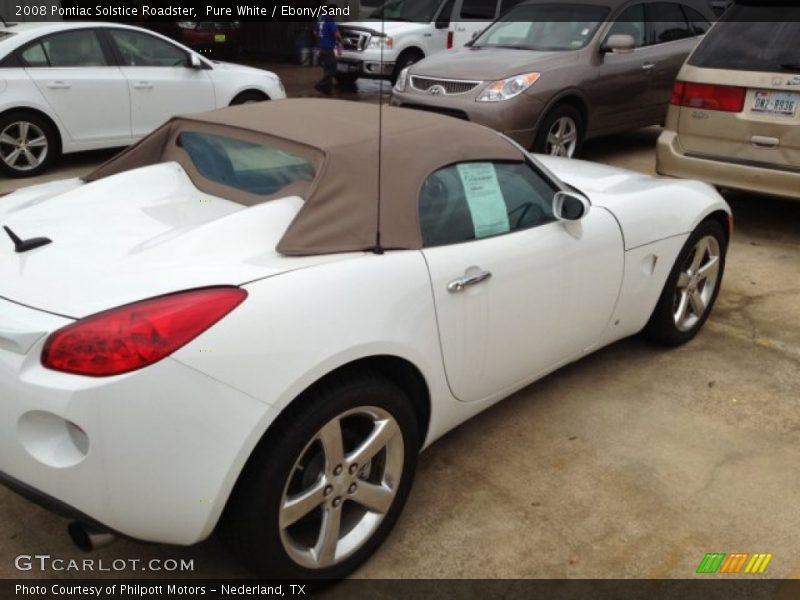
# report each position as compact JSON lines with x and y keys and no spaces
{"x":256,"y":317}
{"x":66,"y":87}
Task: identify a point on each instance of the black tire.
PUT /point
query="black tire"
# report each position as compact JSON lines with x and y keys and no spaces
{"x":20,"y":167}
{"x":251,"y":522}
{"x":249,"y":97}
{"x":662,"y":327}
{"x":406,"y":59}
{"x":560,"y":111}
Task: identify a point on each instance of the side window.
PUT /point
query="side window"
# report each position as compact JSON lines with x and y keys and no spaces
{"x":698,"y":22}
{"x":667,"y":23}
{"x":631,"y":22}
{"x":476,"y":200}
{"x":68,"y":49}
{"x":479,"y":10}
{"x":34,"y":56}
{"x":143,"y":50}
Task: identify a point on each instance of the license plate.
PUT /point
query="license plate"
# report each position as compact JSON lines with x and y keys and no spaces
{"x":220,"y":37}
{"x":776,"y":103}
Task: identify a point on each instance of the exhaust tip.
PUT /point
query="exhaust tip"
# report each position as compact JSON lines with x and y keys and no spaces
{"x":88,"y":539}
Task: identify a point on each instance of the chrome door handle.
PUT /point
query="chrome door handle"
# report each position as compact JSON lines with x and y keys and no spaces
{"x":143,"y":85}
{"x":472,"y":276}
{"x":647,"y":66}
{"x":59,"y":85}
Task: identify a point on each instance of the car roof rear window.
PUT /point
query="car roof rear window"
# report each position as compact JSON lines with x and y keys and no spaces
{"x":749,"y":38}
{"x":254,"y":168}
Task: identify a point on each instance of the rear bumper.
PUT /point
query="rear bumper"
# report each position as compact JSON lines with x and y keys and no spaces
{"x":151,"y":455}
{"x":672,"y":160}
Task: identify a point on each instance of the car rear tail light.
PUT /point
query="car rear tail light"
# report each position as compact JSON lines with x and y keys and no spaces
{"x":137,"y":335}
{"x":449,"y":40}
{"x":706,"y":96}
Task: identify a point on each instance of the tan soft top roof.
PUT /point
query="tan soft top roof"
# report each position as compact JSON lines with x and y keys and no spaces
{"x":341,"y":138}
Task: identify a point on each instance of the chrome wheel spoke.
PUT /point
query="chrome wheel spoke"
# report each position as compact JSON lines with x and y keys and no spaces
{"x":699,"y":253}
{"x":377,"y":498}
{"x":296,"y":507}
{"x":683,"y":308}
{"x":23,"y":131}
{"x":12,"y":157}
{"x":683,"y":281}
{"x":38,"y":142}
{"x":710,"y":269}
{"x":325,"y":550}
{"x":697,"y":302}
{"x":30,"y":157}
{"x":331,"y":438}
{"x":384,"y":431}
{"x":7,"y":140}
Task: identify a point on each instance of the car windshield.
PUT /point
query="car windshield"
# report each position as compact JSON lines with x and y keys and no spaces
{"x":750,"y":39}
{"x":544,"y":27}
{"x":421,"y":11}
{"x":254,"y":168}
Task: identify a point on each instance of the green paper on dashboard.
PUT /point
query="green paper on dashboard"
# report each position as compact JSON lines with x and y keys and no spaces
{"x":485,"y":199}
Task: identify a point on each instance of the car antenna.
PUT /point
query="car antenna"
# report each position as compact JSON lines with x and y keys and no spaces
{"x":21,"y":245}
{"x":378,"y":249}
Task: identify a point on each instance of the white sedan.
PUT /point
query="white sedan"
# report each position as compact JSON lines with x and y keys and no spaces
{"x":66,"y":87}
{"x":258,"y":316}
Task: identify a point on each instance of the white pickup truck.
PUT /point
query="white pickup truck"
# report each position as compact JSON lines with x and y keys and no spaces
{"x":401,"y":32}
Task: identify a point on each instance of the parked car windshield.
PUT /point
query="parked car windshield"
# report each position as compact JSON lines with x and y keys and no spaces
{"x":544,"y":27}
{"x":253,"y":168}
{"x":749,"y":38}
{"x":421,"y":11}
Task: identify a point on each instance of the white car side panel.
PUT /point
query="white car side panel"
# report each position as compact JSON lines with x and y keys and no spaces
{"x":550,"y":295}
{"x":646,"y":271}
{"x":291,"y":330}
{"x":92,"y":102}
{"x":159,"y":93}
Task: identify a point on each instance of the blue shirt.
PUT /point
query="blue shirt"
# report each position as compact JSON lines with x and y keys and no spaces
{"x":326,"y":33}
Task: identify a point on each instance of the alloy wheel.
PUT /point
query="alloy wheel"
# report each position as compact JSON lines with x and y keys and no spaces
{"x":23,"y":145}
{"x":696,"y":283}
{"x":341,"y":487}
{"x":562,"y":139}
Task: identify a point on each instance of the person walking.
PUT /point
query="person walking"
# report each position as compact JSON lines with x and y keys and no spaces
{"x":328,"y":45}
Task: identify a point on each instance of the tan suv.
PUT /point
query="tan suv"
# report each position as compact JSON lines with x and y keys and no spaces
{"x":734,"y":118}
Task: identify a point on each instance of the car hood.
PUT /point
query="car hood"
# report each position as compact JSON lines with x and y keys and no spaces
{"x":387,"y":27}
{"x":226,"y":66}
{"x":490,"y":64}
{"x":135,"y":235}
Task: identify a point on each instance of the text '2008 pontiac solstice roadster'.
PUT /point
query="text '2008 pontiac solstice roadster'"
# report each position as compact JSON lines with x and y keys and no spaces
{"x":255,"y":318}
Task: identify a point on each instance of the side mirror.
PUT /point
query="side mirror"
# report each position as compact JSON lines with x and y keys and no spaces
{"x":619,"y":42}
{"x":195,"y":62}
{"x":442,"y":24}
{"x":570,"y":206}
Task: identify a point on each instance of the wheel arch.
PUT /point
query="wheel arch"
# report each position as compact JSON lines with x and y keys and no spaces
{"x":250,"y":90}
{"x":570,"y":97}
{"x":39,"y":113}
{"x":395,"y":369}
